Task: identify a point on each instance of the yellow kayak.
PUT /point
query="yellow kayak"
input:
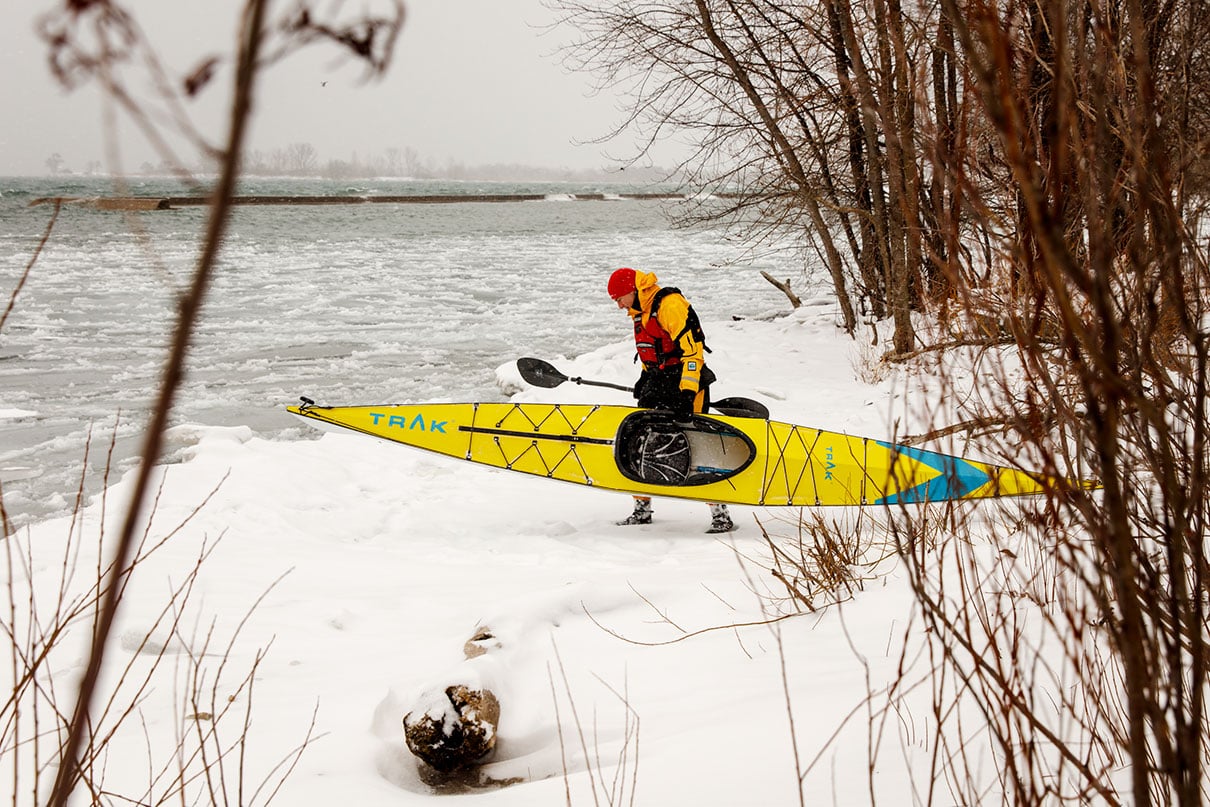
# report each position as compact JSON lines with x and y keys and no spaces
{"x":715,"y":458}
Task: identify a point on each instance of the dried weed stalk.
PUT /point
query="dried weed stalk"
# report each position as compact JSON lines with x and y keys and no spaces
{"x":824,"y":559}
{"x":620,"y":786}
{"x":42,"y":621}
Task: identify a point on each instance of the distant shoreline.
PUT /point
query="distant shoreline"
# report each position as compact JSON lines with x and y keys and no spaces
{"x":174,"y":202}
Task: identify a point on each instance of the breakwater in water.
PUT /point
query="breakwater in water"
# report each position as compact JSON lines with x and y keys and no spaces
{"x":172,"y":202}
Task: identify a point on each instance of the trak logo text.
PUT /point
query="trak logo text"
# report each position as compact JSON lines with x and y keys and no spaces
{"x":401,"y":422}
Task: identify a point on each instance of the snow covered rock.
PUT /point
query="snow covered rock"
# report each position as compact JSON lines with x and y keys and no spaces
{"x":453,"y":729}
{"x":483,"y":641}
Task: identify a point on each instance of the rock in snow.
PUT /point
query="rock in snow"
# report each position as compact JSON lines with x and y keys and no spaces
{"x":453,"y":729}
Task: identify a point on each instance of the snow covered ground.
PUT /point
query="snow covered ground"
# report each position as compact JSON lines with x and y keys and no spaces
{"x":640,"y":660}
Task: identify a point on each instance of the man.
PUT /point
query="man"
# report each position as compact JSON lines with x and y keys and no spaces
{"x":671,"y":347}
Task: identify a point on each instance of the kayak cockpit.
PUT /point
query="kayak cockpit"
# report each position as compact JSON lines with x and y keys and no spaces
{"x":659,"y":448}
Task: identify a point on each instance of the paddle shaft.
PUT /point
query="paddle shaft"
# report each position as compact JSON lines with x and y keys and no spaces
{"x":544,"y":374}
{"x":737,"y":407}
{"x":590,"y":383}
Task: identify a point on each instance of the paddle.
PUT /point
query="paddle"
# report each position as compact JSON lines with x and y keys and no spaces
{"x":544,"y":374}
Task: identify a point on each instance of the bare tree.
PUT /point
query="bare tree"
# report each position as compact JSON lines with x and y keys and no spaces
{"x":815,"y":113}
{"x":1106,"y":292}
{"x":1034,"y":174}
{"x":301,"y":159}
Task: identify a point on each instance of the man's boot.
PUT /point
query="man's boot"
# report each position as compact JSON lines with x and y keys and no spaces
{"x":720,"y":519}
{"x":642,"y":512}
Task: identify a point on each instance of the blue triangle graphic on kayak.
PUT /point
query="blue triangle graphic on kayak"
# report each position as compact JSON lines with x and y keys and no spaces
{"x":958,"y":477}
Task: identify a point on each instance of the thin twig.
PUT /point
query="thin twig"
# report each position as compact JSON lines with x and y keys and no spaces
{"x":12,"y":300}
{"x":190,"y":310}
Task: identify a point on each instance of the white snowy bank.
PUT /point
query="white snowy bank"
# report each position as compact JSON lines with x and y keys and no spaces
{"x":366,"y":566}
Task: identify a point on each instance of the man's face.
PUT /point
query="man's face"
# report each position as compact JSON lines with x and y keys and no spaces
{"x":626,"y":301}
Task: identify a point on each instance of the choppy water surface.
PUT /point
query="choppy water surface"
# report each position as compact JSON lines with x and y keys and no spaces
{"x":343,"y":303}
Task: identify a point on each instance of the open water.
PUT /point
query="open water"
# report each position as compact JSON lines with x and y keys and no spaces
{"x":343,"y":303}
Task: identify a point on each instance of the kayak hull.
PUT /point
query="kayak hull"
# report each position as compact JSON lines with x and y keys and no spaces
{"x":713,"y":458}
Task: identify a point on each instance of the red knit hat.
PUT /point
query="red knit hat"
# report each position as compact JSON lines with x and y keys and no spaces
{"x":621,"y":283}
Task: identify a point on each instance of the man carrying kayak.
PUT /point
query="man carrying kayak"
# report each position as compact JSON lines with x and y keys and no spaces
{"x":671,"y":348}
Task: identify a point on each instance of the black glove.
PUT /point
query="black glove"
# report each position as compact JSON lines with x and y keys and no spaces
{"x":642,"y":382}
{"x":683,"y":403}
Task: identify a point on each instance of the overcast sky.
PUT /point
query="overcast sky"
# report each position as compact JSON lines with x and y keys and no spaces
{"x":473,"y":81}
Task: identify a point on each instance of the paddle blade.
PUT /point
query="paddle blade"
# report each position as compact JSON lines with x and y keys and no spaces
{"x":540,"y":373}
{"x":740,"y":408}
